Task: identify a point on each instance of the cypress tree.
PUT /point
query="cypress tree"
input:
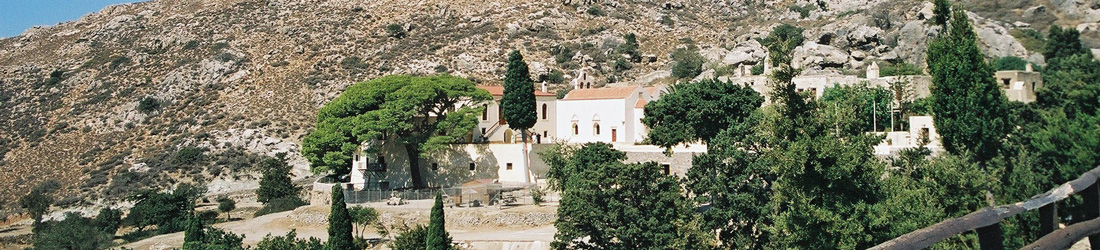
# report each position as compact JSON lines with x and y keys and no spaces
{"x":192,"y":237}
{"x":339,"y":222}
{"x":968,"y":105}
{"x":518,"y":101}
{"x":941,"y":12}
{"x":438,"y":239}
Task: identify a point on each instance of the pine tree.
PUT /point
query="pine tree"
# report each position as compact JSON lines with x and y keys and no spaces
{"x":968,"y":105}
{"x":339,"y":222}
{"x":438,"y":239}
{"x":518,"y":101}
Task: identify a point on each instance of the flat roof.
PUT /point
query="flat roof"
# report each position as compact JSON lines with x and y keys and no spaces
{"x":600,"y":93}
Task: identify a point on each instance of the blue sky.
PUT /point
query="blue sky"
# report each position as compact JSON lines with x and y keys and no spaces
{"x":19,"y":15}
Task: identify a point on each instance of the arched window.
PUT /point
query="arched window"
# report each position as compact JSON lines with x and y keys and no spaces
{"x":596,"y":128}
{"x":544,"y":111}
{"x":576,"y":130}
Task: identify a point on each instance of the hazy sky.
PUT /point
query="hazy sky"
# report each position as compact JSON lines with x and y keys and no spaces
{"x":18,"y":15}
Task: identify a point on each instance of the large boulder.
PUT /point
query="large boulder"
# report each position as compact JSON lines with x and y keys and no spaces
{"x":816,"y":56}
{"x":995,"y":39}
{"x":749,"y":52}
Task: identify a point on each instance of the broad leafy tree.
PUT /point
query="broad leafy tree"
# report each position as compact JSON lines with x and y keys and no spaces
{"x":699,"y":111}
{"x":422,"y":114}
{"x":74,"y":232}
{"x":362,"y":217}
{"x":1071,"y":80}
{"x":868,"y":106}
{"x":607,"y":204}
{"x":166,"y":210}
{"x":968,"y":105}
{"x":438,"y":238}
{"x":339,"y":222}
{"x":226,"y":205}
{"x":38,"y":201}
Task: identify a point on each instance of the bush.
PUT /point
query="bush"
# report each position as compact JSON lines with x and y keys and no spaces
{"x":803,"y":11}
{"x":688,"y":63}
{"x":900,"y":69}
{"x":188,"y":156}
{"x":1032,"y":39}
{"x":622,"y":65}
{"x":758,"y":69}
{"x":666,"y":20}
{"x":441,"y":69}
{"x":280,"y":205}
{"x":74,"y":232}
{"x":396,"y":30}
{"x":411,"y":238}
{"x":555,"y":76}
{"x":353,"y":62}
{"x":1009,"y":63}
{"x":148,"y":104}
{"x":290,"y":241}
{"x":595,"y":11}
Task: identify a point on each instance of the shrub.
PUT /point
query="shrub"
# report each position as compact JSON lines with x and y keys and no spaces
{"x":411,"y":238}
{"x":396,"y":30}
{"x":191,"y":44}
{"x":1032,"y":39}
{"x":803,"y":11}
{"x":225,"y":57}
{"x":74,"y":232}
{"x":188,"y":156}
{"x":353,"y":62}
{"x":622,"y":65}
{"x":280,"y":205}
{"x":666,"y":20}
{"x":118,"y":61}
{"x":900,"y":69}
{"x":1010,"y":63}
{"x":555,"y":76}
{"x":758,"y":69}
{"x":595,"y":11}
{"x":688,"y":63}
{"x":441,"y":69}
{"x":148,"y":104}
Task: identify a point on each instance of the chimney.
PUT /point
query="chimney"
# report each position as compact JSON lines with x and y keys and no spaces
{"x":1029,"y":68}
{"x":544,"y":86}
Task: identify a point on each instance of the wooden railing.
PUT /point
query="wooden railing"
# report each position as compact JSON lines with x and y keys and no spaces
{"x":987,"y":221}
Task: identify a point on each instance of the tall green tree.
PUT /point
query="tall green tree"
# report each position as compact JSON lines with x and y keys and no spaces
{"x":699,"y":111}
{"x":193,"y":234}
{"x":339,"y":222}
{"x":518,"y":102}
{"x":968,"y":105}
{"x":226,"y":205}
{"x":868,"y":106}
{"x":607,"y":204}
{"x":275,"y":182}
{"x":438,"y":238}
{"x":1071,"y":80}
{"x":422,"y":114}
{"x":38,"y":201}
{"x":166,"y":210}
{"x":1062,"y":43}
{"x":941,"y":11}
{"x":781,"y":42}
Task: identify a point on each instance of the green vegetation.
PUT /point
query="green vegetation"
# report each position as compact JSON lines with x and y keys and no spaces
{"x":38,"y":201}
{"x":362,"y":217}
{"x":595,"y":10}
{"x":865,"y":107}
{"x":75,"y":232}
{"x":1009,"y":63}
{"x":396,"y":30}
{"x":280,"y":205}
{"x":437,"y":237}
{"x":226,"y":205}
{"x":699,"y":111}
{"x":941,"y":12}
{"x":688,"y":62}
{"x":802,"y":10}
{"x":962,"y":80}
{"x":288,"y":242}
{"x":629,"y":47}
{"x":414,"y":238}
{"x":393,"y":107}
{"x":518,"y":100}
{"x":900,"y":69}
{"x":339,"y":222}
{"x":1032,"y":39}
{"x":781,"y":42}
{"x":275,"y":183}
{"x":607,"y":204}
{"x":148,"y":104}
{"x":167,"y":211}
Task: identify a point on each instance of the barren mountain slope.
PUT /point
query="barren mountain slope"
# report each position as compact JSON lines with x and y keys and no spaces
{"x":150,"y":94}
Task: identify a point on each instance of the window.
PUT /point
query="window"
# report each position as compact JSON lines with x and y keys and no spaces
{"x":576,"y":130}
{"x":382,"y":162}
{"x":545,"y":133}
{"x":483,"y":131}
{"x":435,"y":166}
{"x":485,"y":114}
{"x":509,"y":166}
{"x":1006,"y":81}
{"x":596,"y":128}
{"x":666,"y":168}
{"x":544,"y":111}
{"x":471,"y":166}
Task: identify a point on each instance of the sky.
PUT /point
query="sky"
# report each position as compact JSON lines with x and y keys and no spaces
{"x":17,"y":16}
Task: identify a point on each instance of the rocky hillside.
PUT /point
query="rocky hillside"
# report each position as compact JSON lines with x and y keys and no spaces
{"x":150,"y":94}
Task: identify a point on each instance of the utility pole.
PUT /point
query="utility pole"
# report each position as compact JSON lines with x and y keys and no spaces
{"x":874,"y":115}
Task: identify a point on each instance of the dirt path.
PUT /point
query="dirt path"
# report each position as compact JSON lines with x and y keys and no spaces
{"x":480,"y":228}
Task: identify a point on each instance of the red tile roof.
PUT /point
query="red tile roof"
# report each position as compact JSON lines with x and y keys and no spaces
{"x":499,"y":91}
{"x":641,"y":103}
{"x":600,"y":93}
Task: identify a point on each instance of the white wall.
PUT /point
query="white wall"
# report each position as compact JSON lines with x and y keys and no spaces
{"x":490,"y":162}
{"x":497,"y":134}
{"x":608,"y":114}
